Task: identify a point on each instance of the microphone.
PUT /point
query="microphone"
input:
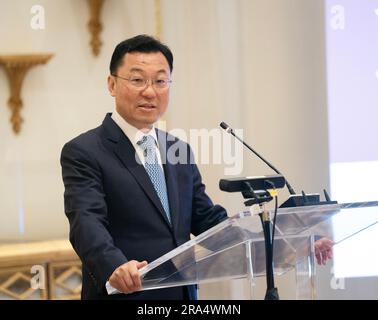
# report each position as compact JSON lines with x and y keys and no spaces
{"x":268,"y":227}
{"x":228,"y":129}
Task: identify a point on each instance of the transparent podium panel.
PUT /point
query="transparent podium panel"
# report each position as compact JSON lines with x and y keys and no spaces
{"x":336,"y":222}
{"x":219,"y":253}
{"x":235,"y":249}
{"x":231,"y":250}
{"x":293,"y":266}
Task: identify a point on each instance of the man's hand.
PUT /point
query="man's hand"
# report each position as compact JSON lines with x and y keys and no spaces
{"x":323,"y":250}
{"x":126,"y":278}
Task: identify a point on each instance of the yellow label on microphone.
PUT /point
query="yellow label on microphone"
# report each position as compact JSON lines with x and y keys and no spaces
{"x":273,"y":192}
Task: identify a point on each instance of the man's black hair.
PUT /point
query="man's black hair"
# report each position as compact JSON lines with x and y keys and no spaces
{"x":141,"y":43}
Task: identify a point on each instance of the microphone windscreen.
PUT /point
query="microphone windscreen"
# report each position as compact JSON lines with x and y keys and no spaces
{"x":224,"y":125}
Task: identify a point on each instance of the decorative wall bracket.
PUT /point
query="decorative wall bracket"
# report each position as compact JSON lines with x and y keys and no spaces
{"x":95,"y":25}
{"x":158,"y":19}
{"x":16,"y":67}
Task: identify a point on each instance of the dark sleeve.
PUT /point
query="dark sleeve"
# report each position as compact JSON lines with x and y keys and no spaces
{"x":86,"y":209}
{"x":204,"y":213}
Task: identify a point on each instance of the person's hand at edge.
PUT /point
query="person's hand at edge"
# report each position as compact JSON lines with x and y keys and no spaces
{"x":126,"y":278}
{"x":323,"y":250}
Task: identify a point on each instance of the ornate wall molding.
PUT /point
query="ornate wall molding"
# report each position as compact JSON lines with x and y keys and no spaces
{"x":95,"y":25}
{"x":58,"y":265}
{"x":16,"y":67}
{"x":15,"y":284}
{"x":158,"y":20}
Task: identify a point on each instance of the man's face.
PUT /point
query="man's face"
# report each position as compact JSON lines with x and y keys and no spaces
{"x":141,"y":107}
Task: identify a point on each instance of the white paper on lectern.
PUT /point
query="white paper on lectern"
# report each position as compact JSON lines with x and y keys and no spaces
{"x":110,"y":289}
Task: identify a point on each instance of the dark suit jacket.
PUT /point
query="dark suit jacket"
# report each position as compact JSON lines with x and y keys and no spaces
{"x":115,"y":214}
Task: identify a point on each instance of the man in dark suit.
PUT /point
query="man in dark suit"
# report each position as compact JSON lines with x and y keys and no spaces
{"x":127,"y":199}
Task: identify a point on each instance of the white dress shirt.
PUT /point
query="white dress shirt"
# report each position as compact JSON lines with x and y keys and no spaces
{"x":135,"y":135}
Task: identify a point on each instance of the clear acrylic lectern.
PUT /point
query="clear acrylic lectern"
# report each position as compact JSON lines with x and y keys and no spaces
{"x":234,"y":249}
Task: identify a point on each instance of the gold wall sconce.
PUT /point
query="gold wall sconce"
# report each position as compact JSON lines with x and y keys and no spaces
{"x":158,"y":20}
{"x":95,"y":25}
{"x":16,"y":67}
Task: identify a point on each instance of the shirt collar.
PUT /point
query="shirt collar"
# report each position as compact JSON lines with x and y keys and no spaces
{"x":130,"y":131}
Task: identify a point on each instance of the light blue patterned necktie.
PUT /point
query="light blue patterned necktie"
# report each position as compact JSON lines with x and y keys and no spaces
{"x":155,"y":171}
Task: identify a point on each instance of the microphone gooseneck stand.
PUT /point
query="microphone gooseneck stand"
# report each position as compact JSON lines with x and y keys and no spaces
{"x":261,"y":198}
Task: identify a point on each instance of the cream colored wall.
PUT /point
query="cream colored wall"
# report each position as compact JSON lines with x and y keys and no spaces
{"x":260,"y":66}
{"x":256,"y":64}
{"x":61,"y":99}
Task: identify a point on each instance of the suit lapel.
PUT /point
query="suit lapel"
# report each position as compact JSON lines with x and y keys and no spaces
{"x":170,"y":178}
{"x":125,"y":151}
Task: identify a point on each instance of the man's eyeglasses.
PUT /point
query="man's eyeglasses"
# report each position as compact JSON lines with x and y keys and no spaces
{"x":141,"y":83}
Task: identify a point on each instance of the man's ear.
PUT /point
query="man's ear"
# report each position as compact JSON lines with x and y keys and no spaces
{"x":111,"y":85}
